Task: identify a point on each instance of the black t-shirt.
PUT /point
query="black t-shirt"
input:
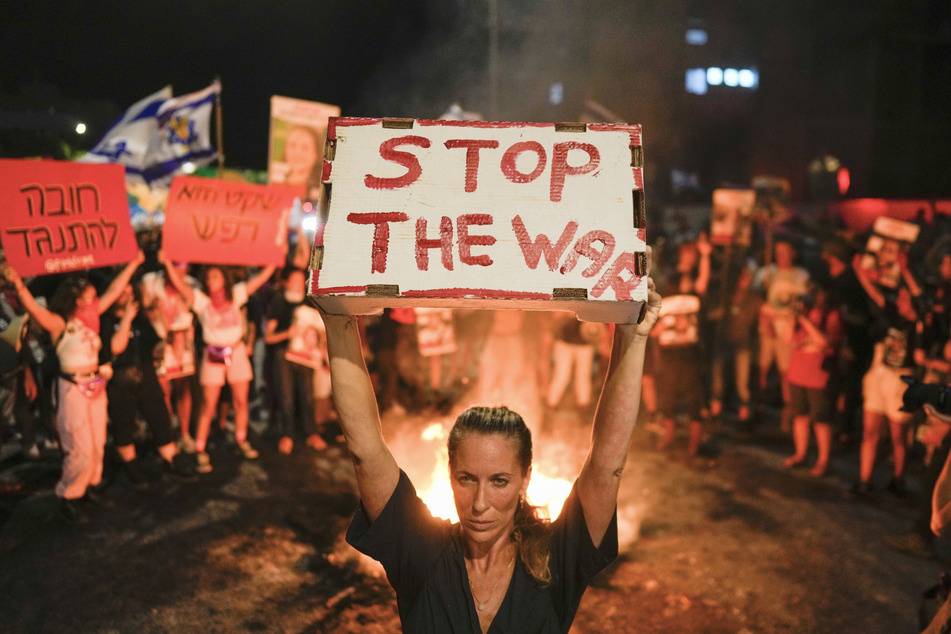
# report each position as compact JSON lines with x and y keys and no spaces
{"x":424,"y":561}
{"x":283,"y":311}
{"x":142,"y":341}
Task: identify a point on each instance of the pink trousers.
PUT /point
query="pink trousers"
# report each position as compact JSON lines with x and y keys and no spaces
{"x":81,"y":423}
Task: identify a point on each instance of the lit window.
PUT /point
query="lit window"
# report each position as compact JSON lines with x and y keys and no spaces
{"x":714,"y":76}
{"x":747,"y":78}
{"x":696,"y":81}
{"x":731,"y":77}
{"x":696,"y":37}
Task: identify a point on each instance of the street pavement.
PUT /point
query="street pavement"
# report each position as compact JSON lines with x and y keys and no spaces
{"x":728,"y":542}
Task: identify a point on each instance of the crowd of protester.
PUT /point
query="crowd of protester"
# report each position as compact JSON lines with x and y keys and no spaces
{"x":807,"y":326}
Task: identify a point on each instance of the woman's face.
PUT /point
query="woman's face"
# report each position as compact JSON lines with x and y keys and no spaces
{"x":487,"y":482}
{"x":295,"y":282}
{"x":785,"y":255}
{"x":300,"y":152}
{"x":214,"y":280}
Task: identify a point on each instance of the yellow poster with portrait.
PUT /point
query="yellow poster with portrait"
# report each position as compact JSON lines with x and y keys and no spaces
{"x":298,"y":130}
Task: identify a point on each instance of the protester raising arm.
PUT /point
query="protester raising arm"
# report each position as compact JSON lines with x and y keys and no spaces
{"x":257,"y":281}
{"x":600,"y":478}
{"x":184,"y":289}
{"x":49,"y":321}
{"x":114,"y":290}
{"x":874,"y":294}
{"x":120,"y":339}
{"x":375,"y":467}
{"x":188,"y":293}
{"x":54,"y":323}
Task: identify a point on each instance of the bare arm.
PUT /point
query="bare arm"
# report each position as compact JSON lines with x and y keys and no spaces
{"x":186,"y":291}
{"x":48,"y":320}
{"x":111,"y":294}
{"x":870,"y":290}
{"x":913,"y":287}
{"x":600,"y":478}
{"x":375,"y":467}
{"x":258,"y":280}
{"x":120,"y":339}
{"x":273,"y":335}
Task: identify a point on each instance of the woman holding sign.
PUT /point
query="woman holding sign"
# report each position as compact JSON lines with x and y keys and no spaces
{"x":72,"y":322}
{"x":500,"y":564}
{"x":226,"y":358}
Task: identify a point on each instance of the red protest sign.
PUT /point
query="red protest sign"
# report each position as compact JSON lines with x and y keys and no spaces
{"x":224,"y":222}
{"x":60,"y":216}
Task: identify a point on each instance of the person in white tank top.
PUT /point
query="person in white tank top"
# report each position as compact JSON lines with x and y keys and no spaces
{"x":225,"y":359}
{"x":72,"y":322}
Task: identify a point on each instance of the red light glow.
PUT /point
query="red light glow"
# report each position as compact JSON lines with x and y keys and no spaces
{"x":844,"y":180}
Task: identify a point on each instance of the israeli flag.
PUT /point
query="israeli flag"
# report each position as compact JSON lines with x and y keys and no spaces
{"x":158,"y":135}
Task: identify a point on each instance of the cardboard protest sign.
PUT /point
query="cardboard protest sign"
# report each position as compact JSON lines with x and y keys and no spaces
{"x":308,"y":346}
{"x":482,"y":214}
{"x":226,"y":222}
{"x":298,"y":130}
{"x":60,"y":216}
{"x":679,"y":321}
{"x":888,"y":243}
{"x":732,"y":216}
{"x":172,"y":319}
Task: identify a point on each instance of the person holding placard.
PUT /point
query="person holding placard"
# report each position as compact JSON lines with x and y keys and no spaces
{"x":72,"y":321}
{"x":882,"y":386}
{"x":226,"y":358}
{"x":173,"y":321}
{"x":784,"y":283}
{"x":134,"y":389}
{"x":681,"y":391}
{"x":295,"y":364}
{"x":500,"y":566}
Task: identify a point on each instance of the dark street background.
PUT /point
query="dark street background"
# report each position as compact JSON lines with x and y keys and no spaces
{"x":730,"y":542}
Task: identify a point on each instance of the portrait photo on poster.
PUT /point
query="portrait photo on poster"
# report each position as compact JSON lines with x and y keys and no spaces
{"x":298,"y":132}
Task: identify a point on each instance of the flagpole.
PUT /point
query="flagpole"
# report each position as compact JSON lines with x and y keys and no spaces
{"x":221,"y":149}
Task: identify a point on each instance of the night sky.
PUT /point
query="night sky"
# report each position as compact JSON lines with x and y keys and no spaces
{"x":124,"y":51}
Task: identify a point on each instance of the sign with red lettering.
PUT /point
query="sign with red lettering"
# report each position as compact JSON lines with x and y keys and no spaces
{"x":225,"y":222}
{"x":60,"y":216}
{"x":482,"y":214}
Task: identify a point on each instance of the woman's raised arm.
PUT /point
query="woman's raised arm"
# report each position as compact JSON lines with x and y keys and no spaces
{"x":258,"y":280}
{"x":48,"y":320}
{"x":114,"y":290}
{"x":186,"y":291}
{"x":614,"y":420}
{"x":376,"y":469}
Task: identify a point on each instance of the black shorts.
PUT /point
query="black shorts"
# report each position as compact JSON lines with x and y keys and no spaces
{"x":814,"y":403}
